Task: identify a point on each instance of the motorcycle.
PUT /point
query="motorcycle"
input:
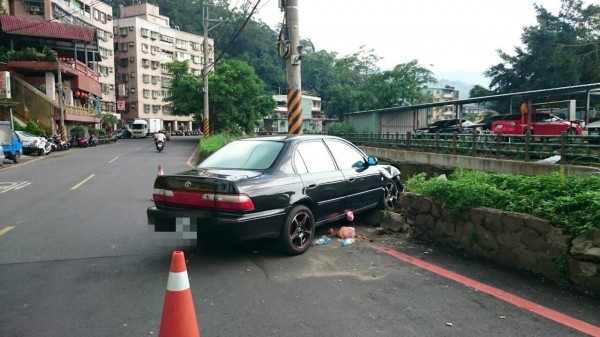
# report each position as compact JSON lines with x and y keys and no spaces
{"x":50,"y":146}
{"x":160,"y":145}
{"x":93,"y":141}
{"x":77,"y":141}
{"x":61,"y":145}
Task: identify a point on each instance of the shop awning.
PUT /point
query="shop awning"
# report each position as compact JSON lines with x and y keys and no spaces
{"x":17,"y":25}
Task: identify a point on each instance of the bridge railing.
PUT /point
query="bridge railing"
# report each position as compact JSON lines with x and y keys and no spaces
{"x":572,"y":149}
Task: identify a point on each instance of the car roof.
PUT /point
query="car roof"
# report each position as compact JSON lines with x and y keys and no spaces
{"x":289,"y":138}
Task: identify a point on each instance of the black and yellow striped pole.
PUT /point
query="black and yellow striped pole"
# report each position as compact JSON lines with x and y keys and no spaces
{"x":293,"y":56}
{"x":294,"y":108}
{"x":205,"y":128}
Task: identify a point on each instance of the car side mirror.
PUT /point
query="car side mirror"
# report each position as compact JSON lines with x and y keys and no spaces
{"x":372,"y":161}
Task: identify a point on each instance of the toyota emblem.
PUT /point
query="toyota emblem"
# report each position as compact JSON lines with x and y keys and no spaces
{"x":187,"y":183}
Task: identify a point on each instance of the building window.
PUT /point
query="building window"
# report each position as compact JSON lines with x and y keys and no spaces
{"x":155,"y":79}
{"x":146,"y":93}
{"x":144,"y":48}
{"x":155,"y":64}
{"x":147,"y":108}
{"x":145,"y":32}
{"x":156,"y":109}
{"x":145,"y":63}
{"x":146,"y":78}
{"x":155,"y":94}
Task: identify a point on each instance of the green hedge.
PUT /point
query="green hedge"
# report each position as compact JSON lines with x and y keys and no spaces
{"x":570,"y":202}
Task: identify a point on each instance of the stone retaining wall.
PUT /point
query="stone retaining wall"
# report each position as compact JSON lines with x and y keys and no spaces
{"x":517,"y":240}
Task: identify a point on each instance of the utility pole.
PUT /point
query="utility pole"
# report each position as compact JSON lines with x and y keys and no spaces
{"x":207,"y":67}
{"x":61,"y":105}
{"x":293,"y":55}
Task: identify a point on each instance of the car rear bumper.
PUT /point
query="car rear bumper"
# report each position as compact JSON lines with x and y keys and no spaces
{"x":188,"y":226}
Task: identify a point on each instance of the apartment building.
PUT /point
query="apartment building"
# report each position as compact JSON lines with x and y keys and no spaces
{"x":145,"y":42}
{"x":86,"y":13}
{"x":442,"y":94}
{"x":312,"y":116}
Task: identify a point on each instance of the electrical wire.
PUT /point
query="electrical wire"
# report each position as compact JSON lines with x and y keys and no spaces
{"x":210,"y":65}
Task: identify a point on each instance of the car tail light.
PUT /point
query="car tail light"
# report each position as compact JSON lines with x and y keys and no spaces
{"x":232,"y":202}
{"x":511,"y":123}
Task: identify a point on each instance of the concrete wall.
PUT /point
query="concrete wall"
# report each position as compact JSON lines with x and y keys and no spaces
{"x":475,"y":163}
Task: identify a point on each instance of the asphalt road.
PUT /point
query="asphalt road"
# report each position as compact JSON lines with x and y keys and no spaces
{"x":76,"y":260}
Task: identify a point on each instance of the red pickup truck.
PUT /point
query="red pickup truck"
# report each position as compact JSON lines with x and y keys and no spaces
{"x":542,"y":123}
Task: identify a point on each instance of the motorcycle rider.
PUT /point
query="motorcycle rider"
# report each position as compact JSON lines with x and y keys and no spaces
{"x":160,"y":136}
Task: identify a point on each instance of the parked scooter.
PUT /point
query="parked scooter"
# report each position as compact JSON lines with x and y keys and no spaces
{"x":93,"y":141}
{"x":77,"y":141}
{"x":61,"y":144}
{"x":50,"y":146}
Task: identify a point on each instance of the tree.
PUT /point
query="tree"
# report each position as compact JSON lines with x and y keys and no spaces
{"x":184,"y":97}
{"x":397,"y":87}
{"x":237,"y":98}
{"x":560,"y":50}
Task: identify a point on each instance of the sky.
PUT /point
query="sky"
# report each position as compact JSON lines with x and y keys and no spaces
{"x":457,"y":40}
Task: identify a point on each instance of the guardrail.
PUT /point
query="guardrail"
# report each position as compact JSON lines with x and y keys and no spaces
{"x":572,"y":149}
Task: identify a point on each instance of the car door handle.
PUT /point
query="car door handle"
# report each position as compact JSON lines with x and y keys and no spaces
{"x":351,"y":179}
{"x":311,"y":185}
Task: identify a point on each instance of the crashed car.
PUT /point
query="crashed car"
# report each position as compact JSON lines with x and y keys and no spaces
{"x":279,"y":187}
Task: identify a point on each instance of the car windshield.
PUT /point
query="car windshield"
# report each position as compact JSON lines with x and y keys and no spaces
{"x":244,"y":154}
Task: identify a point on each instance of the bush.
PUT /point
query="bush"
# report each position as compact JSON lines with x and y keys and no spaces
{"x":34,"y":129}
{"x":569,"y":202}
{"x":338,"y":128}
{"x":78,"y":131}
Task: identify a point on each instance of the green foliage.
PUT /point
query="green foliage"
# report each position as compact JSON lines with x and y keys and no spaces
{"x":570,"y":202}
{"x":213,"y":143}
{"x":184,"y":95}
{"x":78,"y":131}
{"x":100,"y":133}
{"x":238,"y":100}
{"x":33,"y":128}
{"x":562,"y":266}
{"x":338,"y":128}
{"x":28,"y":54}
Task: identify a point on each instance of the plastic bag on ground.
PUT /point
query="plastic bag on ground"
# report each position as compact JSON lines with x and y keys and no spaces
{"x":346,"y":232}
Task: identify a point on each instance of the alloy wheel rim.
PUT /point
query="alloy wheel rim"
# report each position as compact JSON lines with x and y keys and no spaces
{"x":301,"y":230}
{"x":391,"y":197}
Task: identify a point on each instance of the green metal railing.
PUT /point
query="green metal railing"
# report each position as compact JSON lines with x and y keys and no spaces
{"x":572,"y":149}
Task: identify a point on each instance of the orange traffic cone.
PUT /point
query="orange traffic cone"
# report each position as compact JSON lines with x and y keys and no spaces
{"x":160,"y":170}
{"x":179,"y":316}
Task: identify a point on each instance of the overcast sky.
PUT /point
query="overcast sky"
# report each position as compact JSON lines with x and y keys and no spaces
{"x":456,"y":39}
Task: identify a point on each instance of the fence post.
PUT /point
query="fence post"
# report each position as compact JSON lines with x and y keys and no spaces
{"x":454,"y":143}
{"x":474,"y":143}
{"x":563,"y":146}
{"x":527,"y":139}
{"x":397,"y":142}
{"x":408,"y":140}
{"x":498,"y":138}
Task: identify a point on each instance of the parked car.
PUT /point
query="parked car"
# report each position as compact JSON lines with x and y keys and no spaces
{"x":443,"y":126}
{"x":486,"y":123}
{"x":542,"y":123}
{"x":592,"y":129}
{"x":32,"y":143}
{"x":272,"y":187}
{"x":123,"y":134}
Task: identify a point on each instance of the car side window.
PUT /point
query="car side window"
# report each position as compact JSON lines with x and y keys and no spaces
{"x":299,"y":163}
{"x":345,"y":155}
{"x":316,"y":157}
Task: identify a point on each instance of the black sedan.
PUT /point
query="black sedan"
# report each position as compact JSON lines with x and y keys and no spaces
{"x":441,"y":126}
{"x":122,"y":134}
{"x":272,"y":187}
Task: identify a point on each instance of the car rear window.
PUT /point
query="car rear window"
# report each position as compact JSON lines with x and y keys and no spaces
{"x":244,"y":154}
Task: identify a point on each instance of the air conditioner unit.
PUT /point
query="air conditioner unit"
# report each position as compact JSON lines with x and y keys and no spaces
{"x":132,"y":106}
{"x":34,"y":9}
{"x":132,"y":75}
{"x":131,"y":44}
{"x":110,"y":70}
{"x":109,"y":17}
{"x":131,"y":28}
{"x":131,"y":59}
{"x":111,"y":35}
{"x":132,"y":90}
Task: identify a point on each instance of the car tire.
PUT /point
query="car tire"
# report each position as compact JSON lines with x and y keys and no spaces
{"x":16,"y":157}
{"x":40,"y":152}
{"x":298,"y":231}
{"x":571,"y":132}
{"x":391,"y":194}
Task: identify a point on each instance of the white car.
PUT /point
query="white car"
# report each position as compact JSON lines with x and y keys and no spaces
{"x":32,"y":143}
{"x":592,"y":129}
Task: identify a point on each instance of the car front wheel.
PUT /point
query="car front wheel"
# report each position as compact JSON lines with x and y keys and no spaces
{"x":298,"y":231}
{"x":391,"y":194}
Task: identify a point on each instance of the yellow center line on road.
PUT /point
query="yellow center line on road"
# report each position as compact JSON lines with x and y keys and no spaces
{"x":83,"y":182}
{"x":6,"y":230}
{"x":112,"y":160}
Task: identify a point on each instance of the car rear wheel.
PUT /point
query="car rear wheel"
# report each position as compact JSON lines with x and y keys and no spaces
{"x":298,"y":231}
{"x":16,"y":157}
{"x":391,"y":194}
